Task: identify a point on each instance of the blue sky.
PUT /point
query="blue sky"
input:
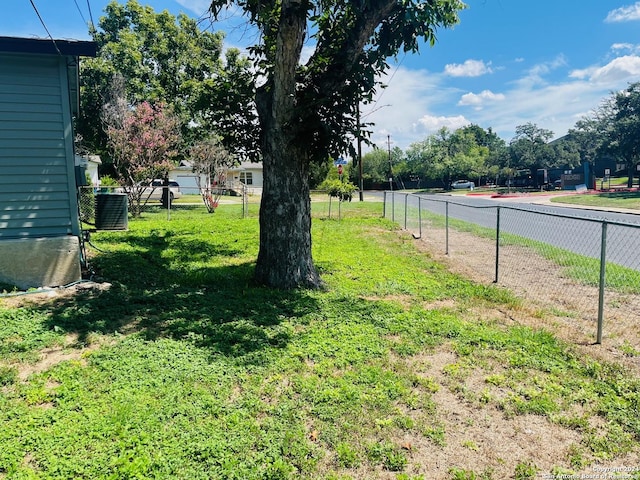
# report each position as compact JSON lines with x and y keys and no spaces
{"x":507,"y":63}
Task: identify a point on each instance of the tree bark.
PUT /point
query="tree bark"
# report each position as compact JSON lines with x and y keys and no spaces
{"x":284,"y":259}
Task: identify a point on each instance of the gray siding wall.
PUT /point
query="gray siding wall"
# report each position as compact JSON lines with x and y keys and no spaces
{"x":37,"y":182}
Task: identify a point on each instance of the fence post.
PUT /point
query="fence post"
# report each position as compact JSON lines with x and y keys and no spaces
{"x":245,"y":202}
{"x":603,"y":269}
{"x":168,"y":191}
{"x":495,"y":280}
{"x":393,"y":207}
{"x":446,"y":228}
{"x":420,"y":216}
{"x":406,"y":200}
{"x":384,"y":205}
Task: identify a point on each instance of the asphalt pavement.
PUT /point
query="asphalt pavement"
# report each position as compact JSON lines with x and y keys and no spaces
{"x":546,"y":199}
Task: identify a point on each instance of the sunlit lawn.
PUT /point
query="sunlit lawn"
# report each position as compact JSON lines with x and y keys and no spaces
{"x":629,"y":200}
{"x":185,"y":369}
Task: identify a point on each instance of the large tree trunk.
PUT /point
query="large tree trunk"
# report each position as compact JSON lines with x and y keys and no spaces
{"x":284,"y":260}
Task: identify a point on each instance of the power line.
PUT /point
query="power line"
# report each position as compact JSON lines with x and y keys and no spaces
{"x":373,"y":108}
{"x":45,"y":27}
{"x":90,"y":24}
{"x":93,"y":25}
{"x":80,"y":12}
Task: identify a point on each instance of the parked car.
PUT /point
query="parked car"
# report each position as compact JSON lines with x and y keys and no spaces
{"x":459,"y":184}
{"x":154,"y":191}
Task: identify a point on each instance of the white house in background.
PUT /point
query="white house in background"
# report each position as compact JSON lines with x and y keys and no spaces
{"x":187,"y":178}
{"x":90,"y":165}
{"x":247,"y":173}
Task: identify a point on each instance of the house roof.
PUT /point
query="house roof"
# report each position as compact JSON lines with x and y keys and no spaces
{"x":88,"y":158}
{"x":247,"y":166}
{"x":75,"y":48}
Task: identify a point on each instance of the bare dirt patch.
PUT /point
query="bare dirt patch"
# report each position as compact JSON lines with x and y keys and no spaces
{"x":550,"y":299}
{"x":50,"y":357}
{"x":50,"y":295}
{"x":70,"y":348}
{"x":484,"y":439}
{"x":479,"y":439}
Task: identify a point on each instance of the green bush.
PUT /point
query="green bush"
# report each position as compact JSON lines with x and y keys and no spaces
{"x":341,"y":190}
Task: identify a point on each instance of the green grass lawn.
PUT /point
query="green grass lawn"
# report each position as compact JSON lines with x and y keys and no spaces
{"x":185,"y":369}
{"x":607,"y":199}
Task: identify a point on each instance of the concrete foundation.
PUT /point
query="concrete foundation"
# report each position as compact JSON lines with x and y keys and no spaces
{"x":40,"y":262}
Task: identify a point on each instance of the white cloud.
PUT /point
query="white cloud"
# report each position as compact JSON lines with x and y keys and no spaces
{"x":410,"y":95}
{"x":418,"y":103}
{"x":479,"y":99}
{"x":556,"y":105}
{"x":546,"y":67}
{"x":624,"y":14}
{"x":196,"y":6}
{"x":470,"y":68}
{"x":625,"y":48}
{"x":539,"y":74}
{"x":619,"y":69}
{"x":433,"y":123}
{"x":616,"y":47}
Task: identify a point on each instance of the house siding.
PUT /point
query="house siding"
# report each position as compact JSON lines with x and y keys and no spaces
{"x":37,"y":179}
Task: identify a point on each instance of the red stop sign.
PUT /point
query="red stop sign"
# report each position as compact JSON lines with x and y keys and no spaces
{"x":339,"y":169}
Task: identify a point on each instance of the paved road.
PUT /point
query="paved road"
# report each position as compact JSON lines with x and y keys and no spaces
{"x":544,"y":203}
{"x":572,"y":228}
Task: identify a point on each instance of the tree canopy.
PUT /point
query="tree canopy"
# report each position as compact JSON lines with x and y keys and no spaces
{"x":620,"y":126}
{"x":530,"y":148}
{"x":378,"y":164}
{"x":613,"y":129}
{"x":447,"y":156}
{"x":162,"y":59}
{"x":353,"y":41}
{"x":623,"y":136}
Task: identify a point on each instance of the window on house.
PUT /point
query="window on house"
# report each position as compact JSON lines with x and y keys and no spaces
{"x":246,"y":178}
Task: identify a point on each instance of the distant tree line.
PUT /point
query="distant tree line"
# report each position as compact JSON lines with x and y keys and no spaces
{"x":612,"y":130}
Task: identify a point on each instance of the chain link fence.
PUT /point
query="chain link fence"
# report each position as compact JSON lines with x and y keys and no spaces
{"x":92,"y":201}
{"x":97,"y":204}
{"x":583,"y":269}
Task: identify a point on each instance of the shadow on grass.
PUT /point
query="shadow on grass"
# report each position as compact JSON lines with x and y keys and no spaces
{"x":213,"y":307}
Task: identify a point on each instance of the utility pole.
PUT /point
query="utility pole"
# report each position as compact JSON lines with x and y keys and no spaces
{"x":359,"y":138}
{"x":390,"y":165}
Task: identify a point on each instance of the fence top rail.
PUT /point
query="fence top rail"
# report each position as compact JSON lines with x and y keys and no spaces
{"x":521,"y":209}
